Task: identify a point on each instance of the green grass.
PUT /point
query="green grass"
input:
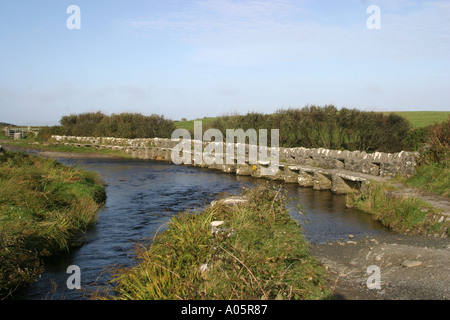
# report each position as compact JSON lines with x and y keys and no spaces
{"x":75,"y":149}
{"x":259,"y":254}
{"x":420,"y":119}
{"x":433,"y":178}
{"x":408,"y":215}
{"x":44,"y":206}
{"x":31,"y":144}
{"x":189,"y":125}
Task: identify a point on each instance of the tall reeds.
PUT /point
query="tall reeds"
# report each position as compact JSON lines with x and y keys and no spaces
{"x":44,"y":206}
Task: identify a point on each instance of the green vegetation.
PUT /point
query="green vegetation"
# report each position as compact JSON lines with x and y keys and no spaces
{"x":408,"y":215}
{"x":433,"y":178}
{"x":23,"y":144}
{"x":309,"y":127}
{"x":433,"y":172}
{"x":327,"y":127}
{"x":41,"y":144}
{"x":124,"y":125}
{"x":421,"y":119}
{"x":44,"y":206}
{"x":75,"y":149}
{"x":258,"y":254}
{"x":189,"y":125}
{"x":433,"y":175}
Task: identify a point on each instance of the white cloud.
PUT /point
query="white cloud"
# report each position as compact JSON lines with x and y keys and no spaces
{"x":255,"y":32}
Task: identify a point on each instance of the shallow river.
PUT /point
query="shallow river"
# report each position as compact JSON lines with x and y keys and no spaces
{"x":143,"y":195}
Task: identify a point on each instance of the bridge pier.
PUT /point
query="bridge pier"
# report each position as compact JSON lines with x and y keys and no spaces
{"x":322,"y":180}
{"x":305,"y":178}
{"x":243,"y":170}
{"x":290,"y":174}
{"x":344,"y":186}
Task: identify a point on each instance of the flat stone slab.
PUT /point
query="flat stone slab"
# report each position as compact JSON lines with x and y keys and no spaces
{"x":411,"y":264}
{"x":214,"y":226}
{"x":235,"y":200}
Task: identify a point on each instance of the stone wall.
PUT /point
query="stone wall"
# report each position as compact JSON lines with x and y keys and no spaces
{"x":321,"y":169}
{"x":377,"y":164}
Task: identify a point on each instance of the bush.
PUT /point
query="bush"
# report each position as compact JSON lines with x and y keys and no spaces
{"x":417,"y":138}
{"x":84,"y":124}
{"x":327,"y":127}
{"x":124,"y":125}
{"x":438,"y":144}
{"x":433,"y":173}
{"x":46,"y":133}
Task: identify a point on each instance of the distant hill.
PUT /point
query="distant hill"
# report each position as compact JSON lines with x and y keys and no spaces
{"x":4,"y":124}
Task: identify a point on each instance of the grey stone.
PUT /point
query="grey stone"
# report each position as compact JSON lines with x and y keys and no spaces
{"x":214,"y":226}
{"x":230,"y":201}
{"x":411,"y":264}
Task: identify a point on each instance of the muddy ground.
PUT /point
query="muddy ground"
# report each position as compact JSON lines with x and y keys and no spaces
{"x":410,"y":267}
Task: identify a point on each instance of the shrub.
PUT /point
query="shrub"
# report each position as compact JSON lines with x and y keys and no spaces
{"x":417,"y":138}
{"x":84,"y":124}
{"x":124,"y":125}
{"x":328,"y":127}
{"x":45,"y":133}
{"x":437,"y":150}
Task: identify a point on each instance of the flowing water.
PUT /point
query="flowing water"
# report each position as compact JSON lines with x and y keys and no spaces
{"x":143,"y":195}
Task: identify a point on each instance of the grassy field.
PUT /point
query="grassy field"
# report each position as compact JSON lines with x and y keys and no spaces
{"x":44,"y":206}
{"x":259,"y":253}
{"x":189,"y":125}
{"x":419,"y":119}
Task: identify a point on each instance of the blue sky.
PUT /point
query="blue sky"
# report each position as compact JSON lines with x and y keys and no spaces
{"x":211,"y":57}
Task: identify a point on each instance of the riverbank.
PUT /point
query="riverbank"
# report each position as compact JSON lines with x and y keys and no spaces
{"x":60,"y":151}
{"x":403,"y":209}
{"x":44,"y":207}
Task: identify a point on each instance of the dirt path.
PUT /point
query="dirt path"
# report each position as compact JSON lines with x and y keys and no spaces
{"x":410,"y":267}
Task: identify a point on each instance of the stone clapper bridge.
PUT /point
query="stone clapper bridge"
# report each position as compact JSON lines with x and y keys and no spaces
{"x":342,"y":172}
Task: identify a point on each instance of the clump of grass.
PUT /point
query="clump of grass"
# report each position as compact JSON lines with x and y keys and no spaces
{"x":259,"y":254}
{"x":408,"y":215}
{"x":433,"y":178}
{"x":44,"y":206}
